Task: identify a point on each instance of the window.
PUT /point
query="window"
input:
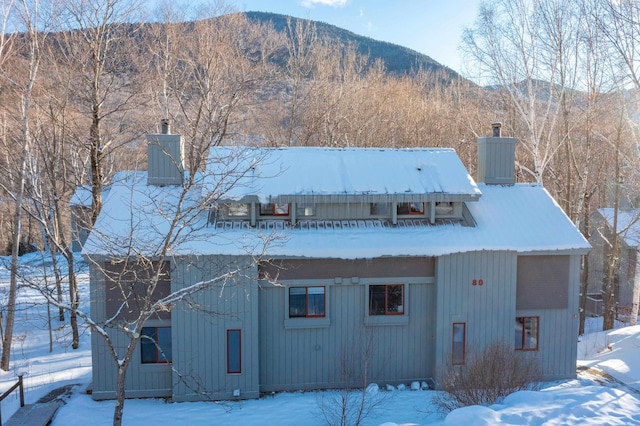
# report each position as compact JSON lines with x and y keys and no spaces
{"x":236,"y":209}
{"x":234,"y":352}
{"x":306,"y":302}
{"x":155,"y":345}
{"x":444,"y":208}
{"x":274,"y":209}
{"x":458,"y":346}
{"x":386,"y":299}
{"x":527,"y":333}
{"x":305,"y":209}
{"x":379,"y":209}
{"x":410,"y":208}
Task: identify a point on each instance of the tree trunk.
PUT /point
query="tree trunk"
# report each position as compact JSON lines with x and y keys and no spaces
{"x":120,"y":394}
{"x":609,"y":295}
{"x":96,"y":166}
{"x":635,"y":298}
{"x":584,"y":278}
{"x":74,"y":300}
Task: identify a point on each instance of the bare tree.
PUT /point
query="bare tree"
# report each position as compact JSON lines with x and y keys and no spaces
{"x":97,"y":48}
{"x":520,"y":48}
{"x":359,"y":397}
{"x":30,"y":18}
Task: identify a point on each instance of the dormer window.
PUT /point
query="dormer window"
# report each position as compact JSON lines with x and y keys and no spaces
{"x":305,"y":209}
{"x":236,"y":210}
{"x":410,"y":208}
{"x":274,"y":209}
{"x":379,"y":209}
{"x":444,"y":208}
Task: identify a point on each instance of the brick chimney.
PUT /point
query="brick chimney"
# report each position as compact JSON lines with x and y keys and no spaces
{"x":496,"y":158}
{"x":165,"y":158}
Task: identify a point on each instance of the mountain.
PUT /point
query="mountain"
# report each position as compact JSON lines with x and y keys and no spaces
{"x":398,"y":60}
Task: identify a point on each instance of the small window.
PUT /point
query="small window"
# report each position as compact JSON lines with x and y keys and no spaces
{"x":386,"y":299}
{"x":526,"y":334}
{"x":305,"y":209}
{"x":306,"y":302}
{"x":458,"y":346}
{"x":236,"y":209}
{"x":274,"y":209}
{"x":410,"y":208}
{"x":234,"y":352}
{"x":155,"y":345}
{"x":379,"y":209}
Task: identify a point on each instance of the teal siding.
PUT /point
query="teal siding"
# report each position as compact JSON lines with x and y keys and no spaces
{"x":488,"y":309}
{"x":332,"y":353}
{"x":199,"y":327}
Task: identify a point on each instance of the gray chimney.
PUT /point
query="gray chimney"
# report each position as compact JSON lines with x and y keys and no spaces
{"x":496,"y":158}
{"x":165,"y":158}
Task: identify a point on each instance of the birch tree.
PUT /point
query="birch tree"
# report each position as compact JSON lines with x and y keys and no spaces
{"x":29,"y":17}
{"x":518,"y":47}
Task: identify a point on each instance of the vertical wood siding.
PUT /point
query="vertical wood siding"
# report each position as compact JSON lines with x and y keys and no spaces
{"x":332,"y":356}
{"x":558,"y":341}
{"x":143,"y":380}
{"x":488,"y":310}
{"x":199,"y":331}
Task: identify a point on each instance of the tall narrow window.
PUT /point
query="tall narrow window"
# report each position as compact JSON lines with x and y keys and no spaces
{"x":526,"y":333}
{"x":458,"y":347}
{"x":386,"y":299}
{"x":234,"y":352}
{"x":306,"y":302}
{"x":155,"y":345}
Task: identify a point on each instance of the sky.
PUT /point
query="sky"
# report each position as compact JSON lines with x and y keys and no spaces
{"x":587,"y":400}
{"x":432,"y":27}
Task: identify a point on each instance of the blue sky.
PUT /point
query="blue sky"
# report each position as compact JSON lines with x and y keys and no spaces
{"x":432,"y":27}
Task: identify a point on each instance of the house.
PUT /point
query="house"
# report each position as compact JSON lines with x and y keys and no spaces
{"x":376,"y":265}
{"x":628,"y":230}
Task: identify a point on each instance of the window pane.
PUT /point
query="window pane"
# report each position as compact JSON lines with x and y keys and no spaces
{"x":377,"y":300}
{"x":403,"y":208}
{"x":155,"y":345}
{"x":297,"y":302}
{"x":267,"y":209}
{"x":417,"y":208}
{"x":148,"y":349}
{"x":531,"y":333}
{"x":237,"y":209}
{"x":526,"y":333}
{"x":316,"y":301}
{"x":305,"y":209}
{"x":458,"y":348}
{"x":164,"y":344}
{"x":379,"y":209}
{"x":281,"y":209}
{"x":233,"y":351}
{"x":395,"y":299}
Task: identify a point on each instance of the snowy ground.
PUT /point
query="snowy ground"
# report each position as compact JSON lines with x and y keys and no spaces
{"x":587,"y":400}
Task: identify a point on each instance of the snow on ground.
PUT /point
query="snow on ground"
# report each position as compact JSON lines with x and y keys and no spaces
{"x":582,"y":401}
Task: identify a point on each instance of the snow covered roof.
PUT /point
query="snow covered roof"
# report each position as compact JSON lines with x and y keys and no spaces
{"x":628,"y":224}
{"x":522,"y":218}
{"x":305,"y":171}
{"x":82,"y":196}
